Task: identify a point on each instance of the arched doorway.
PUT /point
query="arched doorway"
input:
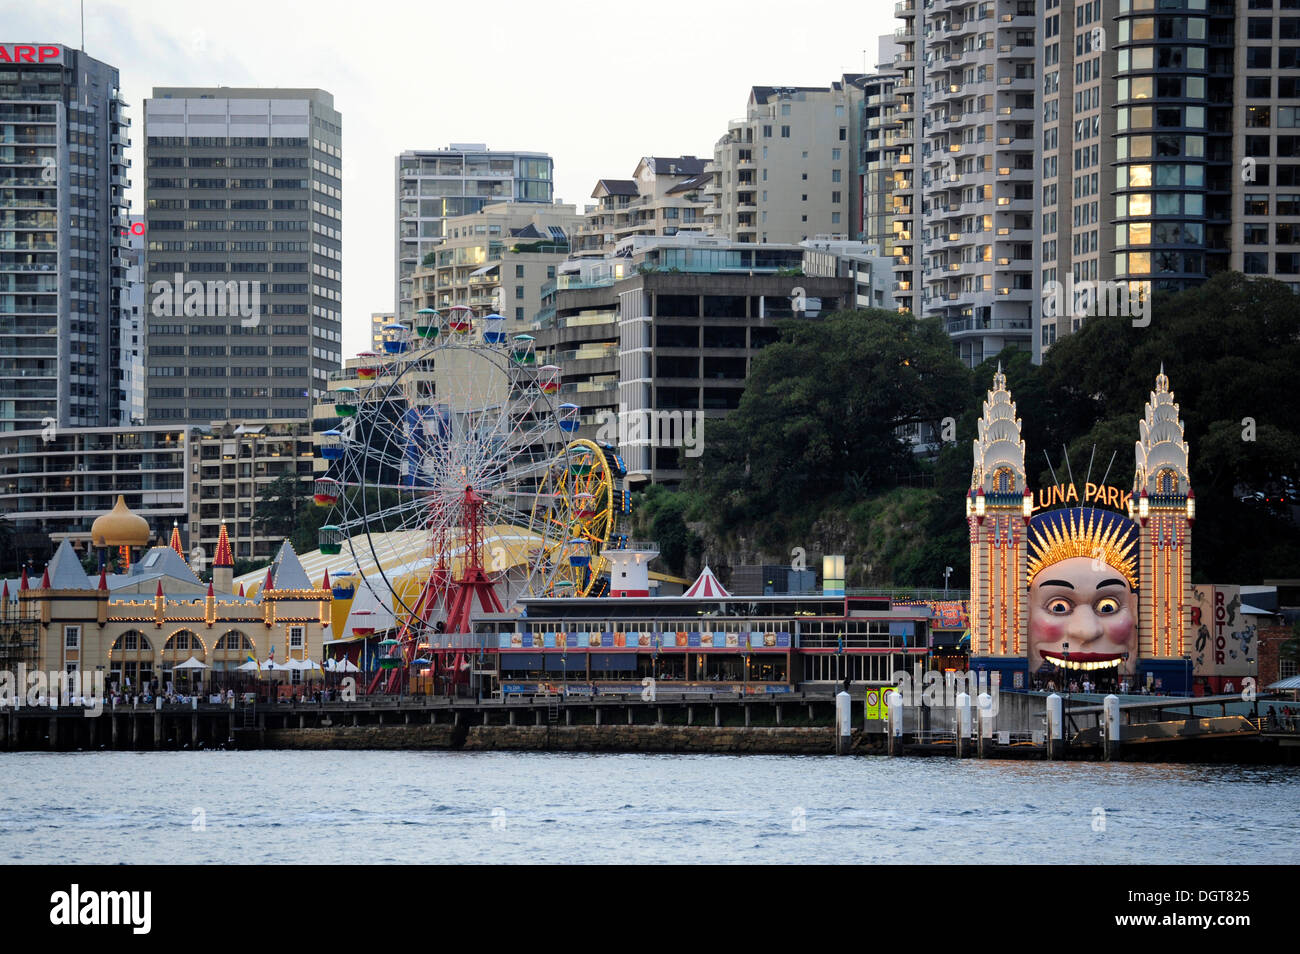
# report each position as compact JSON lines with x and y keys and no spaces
{"x":130,"y":663}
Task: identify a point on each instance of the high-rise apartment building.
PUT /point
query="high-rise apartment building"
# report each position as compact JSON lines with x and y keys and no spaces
{"x":1264,"y":169}
{"x":662,"y":198}
{"x":877,"y":128}
{"x":434,"y":185}
{"x":497,"y":260}
{"x":132,"y":328}
{"x":244,"y":228}
{"x":1166,"y":139}
{"x":979,"y":174}
{"x":789,"y":169}
{"x":63,"y":225}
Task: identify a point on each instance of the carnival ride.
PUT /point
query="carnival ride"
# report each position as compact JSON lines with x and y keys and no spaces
{"x":453,"y":439}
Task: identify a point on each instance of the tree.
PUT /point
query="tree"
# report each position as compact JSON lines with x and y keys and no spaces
{"x":278,"y":505}
{"x":822,"y":415}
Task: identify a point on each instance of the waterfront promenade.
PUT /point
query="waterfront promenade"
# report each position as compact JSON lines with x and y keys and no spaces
{"x":1154,"y":728}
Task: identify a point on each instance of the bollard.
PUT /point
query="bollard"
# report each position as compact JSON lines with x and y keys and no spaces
{"x":1110,"y":727}
{"x":1055,"y":729}
{"x":894,"y":728}
{"x":843,"y":722}
{"x":985,"y":707}
{"x":963,"y":719}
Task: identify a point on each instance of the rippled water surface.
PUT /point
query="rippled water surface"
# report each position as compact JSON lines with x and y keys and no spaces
{"x":378,"y":807}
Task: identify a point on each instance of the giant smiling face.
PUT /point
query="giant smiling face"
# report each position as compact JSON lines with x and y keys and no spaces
{"x":1082,"y":575}
{"x":1085,"y":603}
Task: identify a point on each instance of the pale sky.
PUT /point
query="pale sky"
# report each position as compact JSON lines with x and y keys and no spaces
{"x":596,"y":84}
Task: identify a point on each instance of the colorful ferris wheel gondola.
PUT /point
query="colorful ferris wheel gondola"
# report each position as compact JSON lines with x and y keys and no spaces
{"x":345,"y":402}
{"x":331,"y":445}
{"x":326,"y":491}
{"x":396,"y":338}
{"x":330,"y":538}
{"x":524,"y":349}
{"x":494,"y":329}
{"x":426,"y":323}
{"x":548,"y":378}
{"x":344,"y":585}
{"x":460,"y":319}
{"x":569,"y":417}
{"x":368,"y":369}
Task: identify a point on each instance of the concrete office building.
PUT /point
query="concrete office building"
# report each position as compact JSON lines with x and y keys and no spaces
{"x":662,"y":198}
{"x":132,"y":330}
{"x":497,"y":260}
{"x":55,"y":481}
{"x":788,"y":170}
{"x":378,"y":321}
{"x":63,"y":213}
{"x":434,"y":185}
{"x":244,"y":194}
{"x":236,"y":461}
{"x":658,"y":339}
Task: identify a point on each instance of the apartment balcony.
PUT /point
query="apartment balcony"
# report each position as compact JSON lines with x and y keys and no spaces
{"x":973,"y":327}
{"x":904,"y":6}
{"x":1017,"y":84}
{"x":1024,"y":114}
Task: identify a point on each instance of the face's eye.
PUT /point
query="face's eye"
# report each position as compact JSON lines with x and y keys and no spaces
{"x":1107,"y":605}
{"x":1059,"y":606}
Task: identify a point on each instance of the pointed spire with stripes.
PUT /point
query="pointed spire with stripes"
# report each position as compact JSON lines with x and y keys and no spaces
{"x":224,"y":557}
{"x":175,"y":541}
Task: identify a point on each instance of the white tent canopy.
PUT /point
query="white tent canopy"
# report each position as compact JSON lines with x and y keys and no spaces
{"x":190,"y":663}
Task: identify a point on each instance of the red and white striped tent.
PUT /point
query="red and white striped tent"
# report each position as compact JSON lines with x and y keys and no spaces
{"x":706,"y":586}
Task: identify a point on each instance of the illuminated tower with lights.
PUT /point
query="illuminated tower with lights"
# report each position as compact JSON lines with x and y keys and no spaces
{"x":997,"y":507}
{"x":1165,"y":508}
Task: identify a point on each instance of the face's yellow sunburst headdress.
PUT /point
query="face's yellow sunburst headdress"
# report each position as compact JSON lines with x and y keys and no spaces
{"x":1084,"y":532}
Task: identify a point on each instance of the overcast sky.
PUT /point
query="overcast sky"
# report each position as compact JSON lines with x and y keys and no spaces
{"x":595,"y":84}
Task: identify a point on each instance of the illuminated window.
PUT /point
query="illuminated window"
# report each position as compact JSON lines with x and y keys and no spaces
{"x":1139,"y":263}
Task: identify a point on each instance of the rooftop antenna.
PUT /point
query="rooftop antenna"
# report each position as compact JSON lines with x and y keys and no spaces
{"x":1112,"y":460}
{"x":83,"y":26}
{"x":1055,"y":479}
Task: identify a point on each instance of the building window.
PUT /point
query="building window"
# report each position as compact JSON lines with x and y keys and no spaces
{"x":519,"y":291}
{"x":296,"y":637}
{"x":767,"y":132}
{"x":785,"y":132}
{"x":835,"y":175}
{"x":71,"y":637}
{"x":519,"y":271}
{"x":519,"y":314}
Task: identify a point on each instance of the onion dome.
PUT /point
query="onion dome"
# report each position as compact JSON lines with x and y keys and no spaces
{"x":120,"y":528}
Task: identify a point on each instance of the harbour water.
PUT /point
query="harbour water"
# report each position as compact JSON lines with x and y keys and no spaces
{"x":465,"y":807}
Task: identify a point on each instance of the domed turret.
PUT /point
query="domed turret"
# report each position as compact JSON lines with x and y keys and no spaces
{"x":120,"y":528}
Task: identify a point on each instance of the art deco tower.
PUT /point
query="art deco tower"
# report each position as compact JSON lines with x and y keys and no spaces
{"x":1164,"y":506}
{"x":996,"y":510}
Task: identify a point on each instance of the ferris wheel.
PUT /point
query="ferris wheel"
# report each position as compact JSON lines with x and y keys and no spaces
{"x":580,"y":510}
{"x":434,"y":469}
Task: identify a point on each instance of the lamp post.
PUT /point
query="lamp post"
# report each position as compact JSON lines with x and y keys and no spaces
{"x":947,"y":572}
{"x":1065,"y":678}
